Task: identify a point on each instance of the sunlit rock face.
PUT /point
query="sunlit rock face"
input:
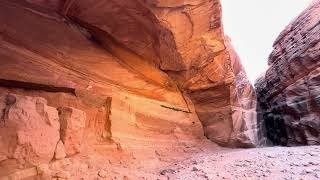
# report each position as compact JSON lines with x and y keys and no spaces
{"x":137,"y":39}
{"x":129,"y":81}
{"x":29,"y":129}
{"x":243,"y":105}
{"x":288,"y":93}
{"x":123,"y":109}
{"x":185,"y":39}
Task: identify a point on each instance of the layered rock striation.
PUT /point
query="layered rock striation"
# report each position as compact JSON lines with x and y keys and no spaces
{"x":288,"y":93}
{"x":185,"y":40}
{"x":118,"y":109}
{"x":120,"y":80}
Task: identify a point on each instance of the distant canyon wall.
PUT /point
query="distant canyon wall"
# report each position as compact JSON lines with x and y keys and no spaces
{"x":288,"y":94}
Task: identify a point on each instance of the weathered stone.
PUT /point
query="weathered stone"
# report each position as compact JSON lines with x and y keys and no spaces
{"x":288,"y":93}
{"x":102,"y":173}
{"x":167,"y":171}
{"x":44,"y":172}
{"x":30,"y":129}
{"x":130,"y":79}
{"x":62,"y":175}
{"x":184,"y":38}
{"x":72,"y":123}
{"x":60,"y":151}
{"x":155,"y":59}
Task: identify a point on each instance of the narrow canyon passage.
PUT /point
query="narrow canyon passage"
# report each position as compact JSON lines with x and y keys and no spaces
{"x":152,"y":89}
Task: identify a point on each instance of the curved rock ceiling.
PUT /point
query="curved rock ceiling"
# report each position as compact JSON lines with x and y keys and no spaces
{"x":184,"y":39}
{"x":137,"y":77}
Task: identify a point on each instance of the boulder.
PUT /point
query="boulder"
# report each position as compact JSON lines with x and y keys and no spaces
{"x":29,"y":129}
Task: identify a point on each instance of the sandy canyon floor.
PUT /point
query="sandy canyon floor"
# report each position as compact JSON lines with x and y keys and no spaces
{"x":283,"y":163}
{"x":262,"y":163}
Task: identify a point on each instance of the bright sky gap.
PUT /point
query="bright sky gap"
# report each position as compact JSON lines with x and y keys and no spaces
{"x":253,"y":25}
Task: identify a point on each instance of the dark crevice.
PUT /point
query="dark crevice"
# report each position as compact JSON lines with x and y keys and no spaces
{"x":275,"y":127}
{"x":175,"y":109}
{"x":35,"y":86}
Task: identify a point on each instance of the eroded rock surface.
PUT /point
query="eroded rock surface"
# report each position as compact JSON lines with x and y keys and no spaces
{"x":130,"y":113}
{"x":186,"y":40}
{"x":137,"y":83}
{"x":60,"y":151}
{"x":183,"y":38}
{"x":288,"y":93}
{"x":73,"y":123}
{"x":29,"y":130}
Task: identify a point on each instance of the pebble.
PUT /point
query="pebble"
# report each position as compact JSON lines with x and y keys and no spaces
{"x":294,"y":164}
{"x":102,"y":173}
{"x":306,"y":164}
{"x":283,"y":171}
{"x":195,"y":169}
{"x":271,"y":156}
{"x":313,"y":154}
{"x":272,"y":164}
{"x":308,"y":171}
{"x":167,"y":171}
{"x":313,"y":163}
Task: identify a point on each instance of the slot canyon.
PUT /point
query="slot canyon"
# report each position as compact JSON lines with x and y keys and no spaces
{"x":152,"y":89}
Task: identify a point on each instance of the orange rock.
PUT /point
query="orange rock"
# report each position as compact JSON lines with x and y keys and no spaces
{"x":72,"y":126}
{"x":60,"y":151}
{"x":30,"y":129}
{"x":187,"y":41}
{"x":123,"y":58}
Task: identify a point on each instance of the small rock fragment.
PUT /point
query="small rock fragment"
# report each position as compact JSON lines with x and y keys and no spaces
{"x":271,"y":156}
{"x":43,"y":171}
{"x":167,"y":171}
{"x":314,"y":163}
{"x":3,"y":157}
{"x":313,"y":154}
{"x":62,"y":175}
{"x":102,"y":173}
{"x":195,"y":169}
{"x":60,"y":151}
{"x":194,"y":162}
{"x":308,"y":171}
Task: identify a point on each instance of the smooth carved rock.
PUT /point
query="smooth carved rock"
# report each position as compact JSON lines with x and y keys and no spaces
{"x":72,"y":129}
{"x":31,"y":129}
{"x":288,"y":93}
{"x":208,"y":69}
{"x":183,"y":38}
{"x":79,"y":63}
